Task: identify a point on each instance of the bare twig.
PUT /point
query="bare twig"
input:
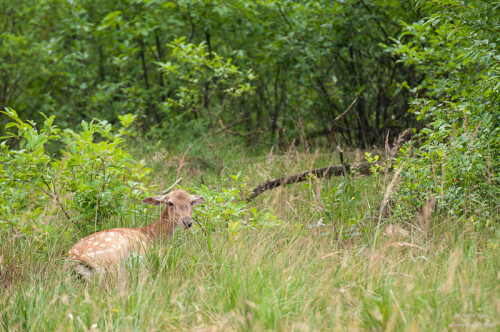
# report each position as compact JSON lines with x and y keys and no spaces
{"x":53,"y":192}
{"x":224,"y":128}
{"x":199,"y":224}
{"x":56,"y":197}
{"x":338,"y":118}
{"x":334,"y":125}
{"x":172,"y":186}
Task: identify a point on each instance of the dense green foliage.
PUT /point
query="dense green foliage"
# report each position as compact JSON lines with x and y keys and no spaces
{"x":456,"y":158}
{"x":281,"y":69}
{"x":88,"y":181}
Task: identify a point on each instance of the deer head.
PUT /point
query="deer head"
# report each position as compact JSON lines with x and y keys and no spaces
{"x":179,"y":205}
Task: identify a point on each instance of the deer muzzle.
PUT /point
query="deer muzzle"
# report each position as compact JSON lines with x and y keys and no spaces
{"x":187,"y":222}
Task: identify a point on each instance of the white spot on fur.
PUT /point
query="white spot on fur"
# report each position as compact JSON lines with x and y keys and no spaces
{"x":108,"y":239}
{"x":99,"y":252}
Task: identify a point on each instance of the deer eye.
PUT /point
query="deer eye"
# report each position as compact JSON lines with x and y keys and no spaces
{"x":192,"y":203}
{"x":170,"y":204}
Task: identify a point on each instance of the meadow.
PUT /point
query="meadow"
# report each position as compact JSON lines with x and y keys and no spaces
{"x":317,"y":267}
{"x":105,"y":103}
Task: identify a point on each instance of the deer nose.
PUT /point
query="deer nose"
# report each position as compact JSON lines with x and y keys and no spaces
{"x":187,"y":222}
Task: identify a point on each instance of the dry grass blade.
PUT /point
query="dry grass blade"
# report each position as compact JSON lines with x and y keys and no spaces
{"x":387,"y":193}
{"x":392,"y":230}
{"x":447,"y":285}
{"x":403,"y":244}
{"x":389,"y":190}
{"x":424,"y":217}
{"x":181,"y":162}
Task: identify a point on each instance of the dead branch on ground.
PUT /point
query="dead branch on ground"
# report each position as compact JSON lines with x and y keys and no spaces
{"x":323,"y":172}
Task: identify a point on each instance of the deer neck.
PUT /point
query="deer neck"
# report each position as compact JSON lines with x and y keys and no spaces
{"x":162,"y":228}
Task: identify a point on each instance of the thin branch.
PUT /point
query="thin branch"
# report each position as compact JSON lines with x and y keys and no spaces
{"x":386,"y":35}
{"x":54,"y":195}
{"x":284,"y":16}
{"x":231,"y":125}
{"x":172,"y":186}
{"x":334,"y":125}
{"x":193,"y":26}
{"x":338,"y":118}
{"x":199,"y":224}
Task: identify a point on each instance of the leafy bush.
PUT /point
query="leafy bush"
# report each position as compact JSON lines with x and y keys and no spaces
{"x":455,"y":157}
{"x":226,"y":209}
{"x":87,"y":181}
{"x":85,"y":59}
{"x":199,"y":75}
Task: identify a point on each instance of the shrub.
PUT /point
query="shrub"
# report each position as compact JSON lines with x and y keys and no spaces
{"x":87,"y":180}
{"x":455,"y":156}
{"x":226,"y":209}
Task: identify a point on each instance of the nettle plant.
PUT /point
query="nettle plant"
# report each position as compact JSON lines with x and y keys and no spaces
{"x":226,"y":209}
{"x":87,"y":180}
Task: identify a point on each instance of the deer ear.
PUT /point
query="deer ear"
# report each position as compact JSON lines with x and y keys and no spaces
{"x":155,"y":200}
{"x":198,"y":199}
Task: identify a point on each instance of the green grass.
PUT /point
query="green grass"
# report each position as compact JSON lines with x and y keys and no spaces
{"x":298,"y":276}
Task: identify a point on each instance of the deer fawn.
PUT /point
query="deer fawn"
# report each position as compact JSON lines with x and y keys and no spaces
{"x":105,"y":249}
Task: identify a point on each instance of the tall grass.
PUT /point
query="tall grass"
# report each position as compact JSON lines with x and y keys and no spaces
{"x":317,"y":271}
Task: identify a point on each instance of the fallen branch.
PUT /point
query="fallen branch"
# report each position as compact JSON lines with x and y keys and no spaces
{"x":324,"y":172}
